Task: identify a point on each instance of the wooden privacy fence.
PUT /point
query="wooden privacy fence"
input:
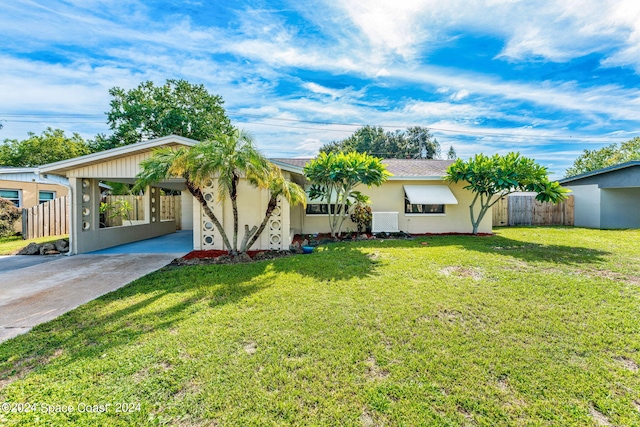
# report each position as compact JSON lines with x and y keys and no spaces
{"x":46,"y":219}
{"x":170,"y":208}
{"x":517,"y":209}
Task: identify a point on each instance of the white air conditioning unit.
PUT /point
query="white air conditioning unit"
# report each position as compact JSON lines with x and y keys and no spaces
{"x":385,"y":222}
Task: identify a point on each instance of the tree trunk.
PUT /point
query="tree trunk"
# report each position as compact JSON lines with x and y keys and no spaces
{"x":247,"y":235}
{"x":197,"y":193}
{"x":234,"y":205}
{"x":273,"y":203}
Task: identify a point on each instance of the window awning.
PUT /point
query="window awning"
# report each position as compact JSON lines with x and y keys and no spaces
{"x":430,"y":195}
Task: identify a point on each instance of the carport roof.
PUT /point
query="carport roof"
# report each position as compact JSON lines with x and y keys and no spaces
{"x":140,"y":147}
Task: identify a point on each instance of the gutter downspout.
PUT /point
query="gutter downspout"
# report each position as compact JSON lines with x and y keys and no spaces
{"x":71,"y":212}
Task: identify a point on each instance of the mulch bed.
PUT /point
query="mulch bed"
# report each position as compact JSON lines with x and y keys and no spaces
{"x":214,"y":254}
{"x":223,"y":257}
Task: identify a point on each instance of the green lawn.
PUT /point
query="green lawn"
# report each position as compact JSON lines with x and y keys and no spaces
{"x":11,"y":245}
{"x":530,"y":327}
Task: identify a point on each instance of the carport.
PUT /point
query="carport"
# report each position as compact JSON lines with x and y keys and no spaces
{"x":120,"y":165}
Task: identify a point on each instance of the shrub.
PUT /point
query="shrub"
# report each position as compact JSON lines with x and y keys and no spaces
{"x":361,"y":216}
{"x":9,"y":214}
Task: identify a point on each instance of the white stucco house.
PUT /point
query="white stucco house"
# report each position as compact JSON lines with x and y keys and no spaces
{"x":415,"y":200}
{"x":607,"y":198}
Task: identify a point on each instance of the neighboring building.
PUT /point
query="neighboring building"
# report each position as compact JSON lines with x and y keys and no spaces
{"x":607,"y":198}
{"x":26,"y":188}
{"x":414,"y":200}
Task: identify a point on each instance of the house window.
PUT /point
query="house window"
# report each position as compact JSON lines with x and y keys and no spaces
{"x":422,"y":209}
{"x":317,"y":209}
{"x":45,"y":196}
{"x":14,"y":196}
{"x":320,"y":208}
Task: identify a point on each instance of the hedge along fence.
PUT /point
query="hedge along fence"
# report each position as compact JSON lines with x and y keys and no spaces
{"x":170,"y":208}
{"x":524,"y":209}
{"x":46,"y":219}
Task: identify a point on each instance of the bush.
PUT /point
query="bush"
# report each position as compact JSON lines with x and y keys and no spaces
{"x":361,"y":216}
{"x":9,"y":214}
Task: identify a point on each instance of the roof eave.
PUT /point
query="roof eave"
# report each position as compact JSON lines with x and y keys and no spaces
{"x":288,"y":167}
{"x":416,"y":178}
{"x":17,"y":170}
{"x":600,"y":171}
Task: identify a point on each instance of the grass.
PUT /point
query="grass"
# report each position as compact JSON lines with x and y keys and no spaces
{"x":11,"y":245}
{"x":532,"y":326}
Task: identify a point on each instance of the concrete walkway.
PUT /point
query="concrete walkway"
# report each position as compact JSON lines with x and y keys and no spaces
{"x":33,"y":294}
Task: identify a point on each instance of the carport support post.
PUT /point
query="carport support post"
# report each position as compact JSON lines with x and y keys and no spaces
{"x":85,"y":211}
{"x":152,"y":205}
{"x":76,"y":213}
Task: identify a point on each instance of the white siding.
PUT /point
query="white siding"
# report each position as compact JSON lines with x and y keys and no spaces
{"x":124,"y":167}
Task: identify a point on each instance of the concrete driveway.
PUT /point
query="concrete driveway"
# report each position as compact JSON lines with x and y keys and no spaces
{"x":14,"y":262}
{"x":36,"y":289}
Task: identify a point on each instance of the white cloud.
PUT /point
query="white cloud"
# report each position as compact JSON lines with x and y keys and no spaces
{"x":393,"y":26}
{"x":556,"y":30}
{"x":461,"y":94}
{"x":319,"y":89}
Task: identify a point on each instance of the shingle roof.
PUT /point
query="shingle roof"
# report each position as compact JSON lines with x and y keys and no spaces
{"x":398,"y":167}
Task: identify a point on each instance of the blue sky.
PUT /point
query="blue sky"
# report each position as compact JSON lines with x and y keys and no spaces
{"x":546,"y":78}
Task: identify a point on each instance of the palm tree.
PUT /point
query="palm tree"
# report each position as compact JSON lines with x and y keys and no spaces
{"x":277,"y":186}
{"x":226,"y":158}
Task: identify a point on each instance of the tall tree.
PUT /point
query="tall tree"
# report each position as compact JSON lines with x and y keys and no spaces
{"x":177,"y":107}
{"x":334,"y":177}
{"x":51,"y":146}
{"x":420,"y":138}
{"x":451,"y":154}
{"x":415,"y":142}
{"x":491,"y":178}
{"x":610,"y":155}
{"x":369,"y":139}
{"x":226,"y":158}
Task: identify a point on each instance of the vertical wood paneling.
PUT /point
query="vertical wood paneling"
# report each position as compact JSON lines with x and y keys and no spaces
{"x":501,"y":212}
{"x":171,"y":208}
{"x":526,"y":210}
{"x":41,"y":221}
{"x":46,"y":219}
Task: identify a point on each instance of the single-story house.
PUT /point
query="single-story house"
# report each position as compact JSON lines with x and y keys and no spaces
{"x":414,"y":200}
{"x":607,"y":198}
